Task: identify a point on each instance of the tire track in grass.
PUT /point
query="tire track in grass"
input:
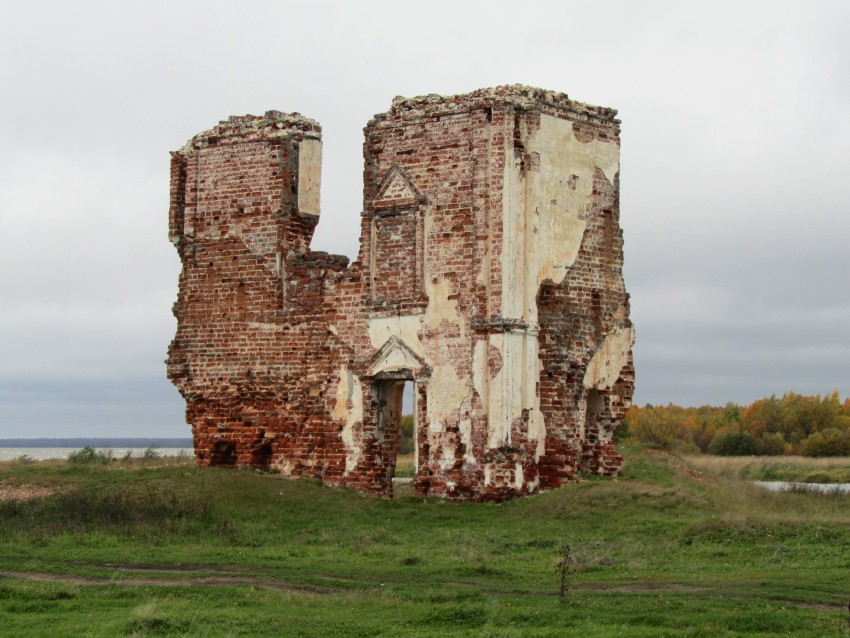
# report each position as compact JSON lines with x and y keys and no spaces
{"x":130,"y":580}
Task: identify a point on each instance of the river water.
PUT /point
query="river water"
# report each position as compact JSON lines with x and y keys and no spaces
{"x":818,"y":488}
{"x":47,"y":453}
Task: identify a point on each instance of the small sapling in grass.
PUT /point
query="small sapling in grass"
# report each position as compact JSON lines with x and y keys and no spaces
{"x":564,"y":573}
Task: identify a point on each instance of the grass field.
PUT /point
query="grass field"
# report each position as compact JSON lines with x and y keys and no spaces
{"x":776,"y":468}
{"x":165,"y":549}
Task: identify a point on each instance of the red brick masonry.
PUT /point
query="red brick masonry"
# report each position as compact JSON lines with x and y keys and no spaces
{"x":489,"y":276}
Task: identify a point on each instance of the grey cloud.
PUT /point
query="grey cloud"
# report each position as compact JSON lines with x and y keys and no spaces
{"x":734,"y":199}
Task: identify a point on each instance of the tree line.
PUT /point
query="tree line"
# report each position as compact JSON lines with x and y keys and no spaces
{"x":792,"y":424}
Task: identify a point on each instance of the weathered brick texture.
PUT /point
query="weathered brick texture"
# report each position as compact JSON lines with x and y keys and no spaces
{"x":489,"y":275}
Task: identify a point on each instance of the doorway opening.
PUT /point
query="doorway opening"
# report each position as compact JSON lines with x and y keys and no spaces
{"x":396,"y":429}
{"x":406,"y":459}
{"x":593,"y":414}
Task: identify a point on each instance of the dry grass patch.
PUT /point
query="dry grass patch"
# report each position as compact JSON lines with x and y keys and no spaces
{"x":23,"y":492}
{"x":761,"y":467}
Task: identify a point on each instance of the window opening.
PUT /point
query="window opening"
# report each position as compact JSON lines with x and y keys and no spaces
{"x":224,"y":454}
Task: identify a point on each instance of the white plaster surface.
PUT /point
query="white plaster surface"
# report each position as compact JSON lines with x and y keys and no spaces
{"x":505,"y":390}
{"x":447,"y":459}
{"x":349,"y":409}
{"x":445,"y":393}
{"x":559,"y":196}
{"x":608,"y":360}
{"x":544,"y":211}
{"x":398,"y":358}
{"x":481,"y":371}
{"x":404,"y":328}
{"x":309,"y":177}
{"x":440,"y":307}
{"x":514,"y":389}
{"x":465,"y":429}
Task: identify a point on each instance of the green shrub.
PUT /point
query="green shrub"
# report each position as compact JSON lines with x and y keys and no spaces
{"x":733,"y":444}
{"x":88,"y":455}
{"x":622,"y":433}
{"x":831,"y":442}
{"x":150,"y":453}
{"x":771,"y":444}
{"x":84,"y":455}
{"x":407,"y":442}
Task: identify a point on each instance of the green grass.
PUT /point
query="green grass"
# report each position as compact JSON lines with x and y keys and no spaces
{"x":152,"y":548}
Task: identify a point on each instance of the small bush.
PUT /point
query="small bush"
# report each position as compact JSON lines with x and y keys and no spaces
{"x":818,"y":477}
{"x":622,"y":433}
{"x":86,"y":455}
{"x":150,"y":453}
{"x":831,"y":442}
{"x":733,"y":444}
{"x":406,"y":434}
{"x":771,"y":444}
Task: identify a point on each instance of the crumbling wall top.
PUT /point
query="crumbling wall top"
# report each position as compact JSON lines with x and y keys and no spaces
{"x":519,"y":95}
{"x":242,"y":128}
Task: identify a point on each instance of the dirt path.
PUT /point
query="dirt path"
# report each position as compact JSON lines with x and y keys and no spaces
{"x":125,"y":576}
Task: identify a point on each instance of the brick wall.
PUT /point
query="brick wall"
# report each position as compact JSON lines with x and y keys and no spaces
{"x":489,"y":276}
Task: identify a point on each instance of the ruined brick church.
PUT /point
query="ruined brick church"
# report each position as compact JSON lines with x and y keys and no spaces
{"x":489,"y":278}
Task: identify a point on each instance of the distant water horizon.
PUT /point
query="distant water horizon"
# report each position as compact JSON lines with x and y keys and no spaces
{"x":44,"y":449}
{"x":60,"y":453}
{"x":97,"y":442}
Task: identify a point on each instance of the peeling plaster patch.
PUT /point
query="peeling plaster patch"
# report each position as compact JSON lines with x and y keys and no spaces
{"x":559,"y":196}
{"x":446,"y":392}
{"x":537,"y":430}
{"x":604,"y":368}
{"x":309,"y":177}
{"x":262,"y":326}
{"x":465,"y":429}
{"x":404,"y":328}
{"x":518,"y":477}
{"x":484,"y":271}
{"x":447,"y":458}
{"x":506,"y":389}
{"x":440,"y":307}
{"x":513,"y":238}
{"x":531,"y":398}
{"x":349,"y":408}
{"x":284,"y":467}
{"x":514,"y":390}
{"x":480,"y":371}
{"x":488,"y":475}
{"x":544,"y":220}
{"x":261,"y":245}
{"x":504,"y":394}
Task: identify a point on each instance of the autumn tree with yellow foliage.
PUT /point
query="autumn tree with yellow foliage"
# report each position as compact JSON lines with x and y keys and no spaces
{"x":793,"y":424}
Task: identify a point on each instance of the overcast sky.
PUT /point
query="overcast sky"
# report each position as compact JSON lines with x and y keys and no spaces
{"x":735,"y":202}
